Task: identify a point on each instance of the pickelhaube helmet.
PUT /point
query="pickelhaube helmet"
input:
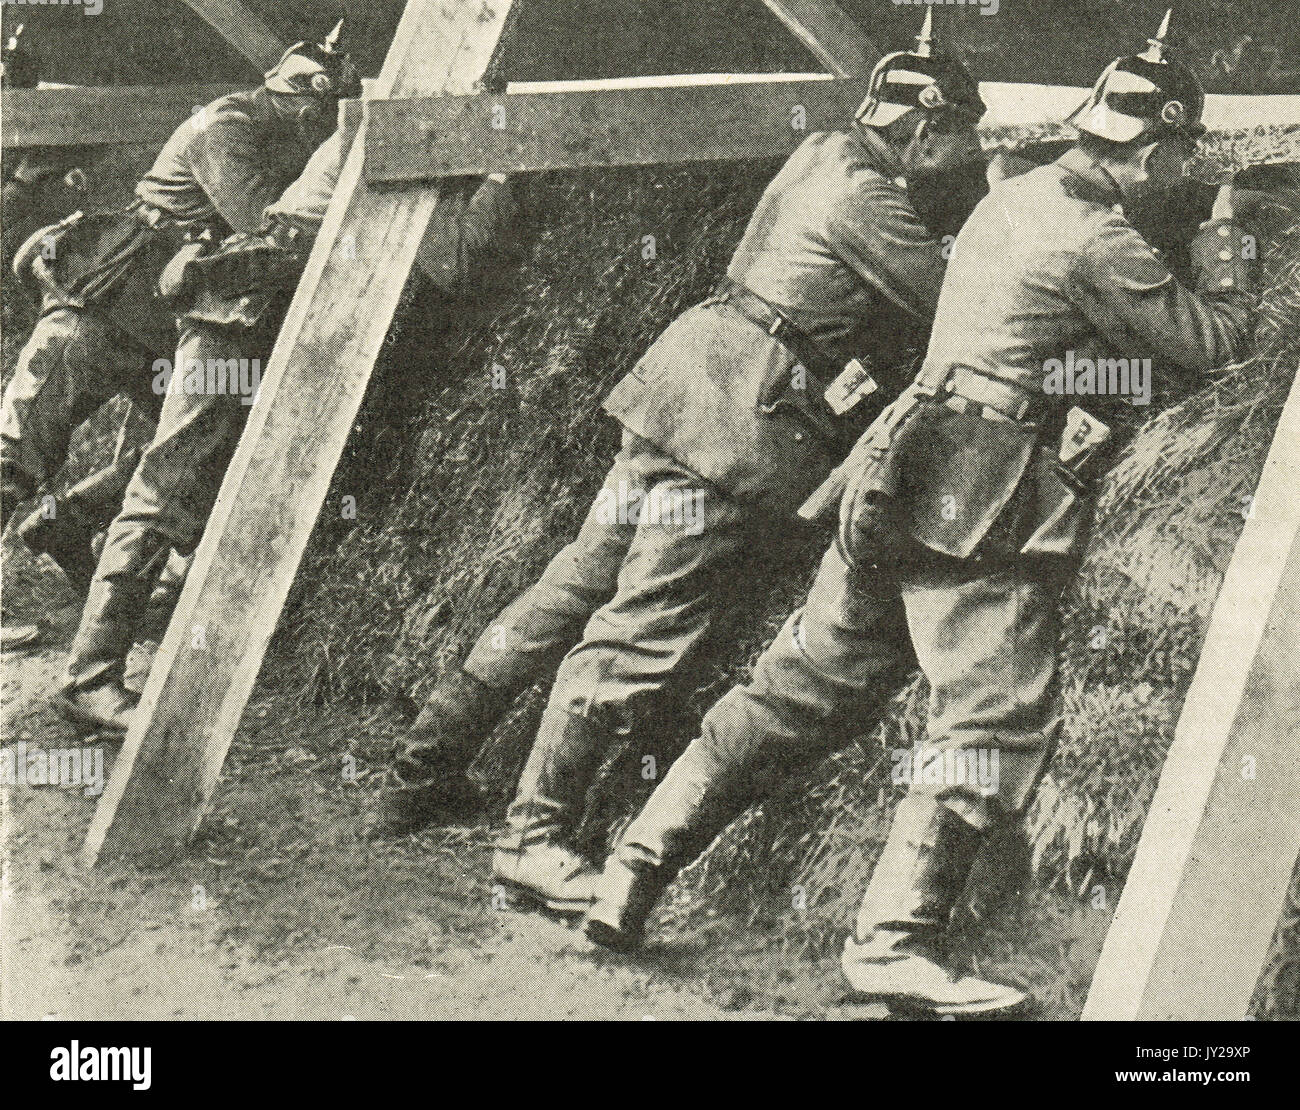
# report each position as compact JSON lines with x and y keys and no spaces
{"x":1149,"y":93}
{"x":317,"y":69}
{"x":20,"y":68}
{"x":926,"y":78}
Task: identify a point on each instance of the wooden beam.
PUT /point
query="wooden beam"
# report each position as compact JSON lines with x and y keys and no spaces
{"x":1206,"y":889}
{"x":171,"y":758}
{"x":243,"y":29}
{"x":85,"y":116}
{"x":1012,"y":104}
{"x":559,"y":125}
{"x":830,"y":33}
{"x":699,"y":119}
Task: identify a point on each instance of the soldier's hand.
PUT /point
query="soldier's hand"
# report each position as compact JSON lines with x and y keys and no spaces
{"x":1223,"y":208}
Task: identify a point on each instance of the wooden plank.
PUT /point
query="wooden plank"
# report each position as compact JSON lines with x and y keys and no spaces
{"x":172,"y":755}
{"x":697,"y":120}
{"x":1013,"y":104}
{"x":1207,"y":886}
{"x":243,"y":29}
{"x":84,"y":116}
{"x":832,"y":36}
{"x":650,"y":121}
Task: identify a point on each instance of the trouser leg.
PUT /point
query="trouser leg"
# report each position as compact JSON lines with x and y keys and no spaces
{"x":825,"y":678}
{"x":72,"y":363}
{"x":533,"y":633}
{"x":637,"y":645}
{"x":987,"y":642}
{"x":166,"y":506}
{"x":468,"y":702}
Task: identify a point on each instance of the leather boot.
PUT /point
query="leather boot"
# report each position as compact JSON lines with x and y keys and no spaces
{"x":112,"y":615}
{"x":687,"y":811}
{"x":430,"y":769}
{"x":21,"y":637}
{"x":534,"y":859}
{"x":106,"y":707}
{"x":892,"y":954}
{"x":66,"y":536}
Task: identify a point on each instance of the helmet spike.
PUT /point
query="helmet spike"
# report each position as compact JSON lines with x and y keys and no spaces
{"x":331,"y":43}
{"x":925,"y":40}
{"x":1155,"y":51}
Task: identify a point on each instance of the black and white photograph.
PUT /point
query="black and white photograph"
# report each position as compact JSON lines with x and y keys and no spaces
{"x":649,"y":510}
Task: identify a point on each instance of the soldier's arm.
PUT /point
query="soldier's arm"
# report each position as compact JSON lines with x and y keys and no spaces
{"x":1125,"y":289}
{"x":230,"y":166}
{"x":303,"y":203}
{"x":468,"y":226}
{"x":878,"y":235}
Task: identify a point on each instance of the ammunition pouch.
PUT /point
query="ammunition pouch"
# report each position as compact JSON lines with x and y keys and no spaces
{"x":31,"y":261}
{"x":231,"y":284}
{"x":107,"y":262}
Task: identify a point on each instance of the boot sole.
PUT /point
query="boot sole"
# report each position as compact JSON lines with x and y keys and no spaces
{"x":25,"y":646}
{"x":71,"y":711}
{"x":569,"y":906}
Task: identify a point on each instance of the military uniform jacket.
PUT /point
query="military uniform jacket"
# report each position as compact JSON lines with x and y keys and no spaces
{"x":226,"y":164}
{"x":217,"y":171}
{"x":1048,"y":264}
{"x":834,"y":244}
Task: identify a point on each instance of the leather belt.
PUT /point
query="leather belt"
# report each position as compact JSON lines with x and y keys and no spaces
{"x":158,"y":220}
{"x":975,"y":394}
{"x":777,"y":324}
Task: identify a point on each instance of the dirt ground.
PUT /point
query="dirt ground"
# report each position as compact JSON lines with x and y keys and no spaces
{"x":283,"y":910}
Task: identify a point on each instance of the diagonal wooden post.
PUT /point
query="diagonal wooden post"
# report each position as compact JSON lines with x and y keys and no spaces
{"x":832,"y":36}
{"x":1205,"y":892}
{"x":274,"y":488}
{"x":242,"y":28}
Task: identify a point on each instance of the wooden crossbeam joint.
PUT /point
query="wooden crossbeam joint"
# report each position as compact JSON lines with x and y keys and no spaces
{"x":274,"y":487}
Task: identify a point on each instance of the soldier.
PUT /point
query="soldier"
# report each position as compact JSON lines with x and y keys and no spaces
{"x":960,"y":530}
{"x":215,"y":175}
{"x":231,"y":299}
{"x":102,"y":323}
{"x":735,"y":414}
